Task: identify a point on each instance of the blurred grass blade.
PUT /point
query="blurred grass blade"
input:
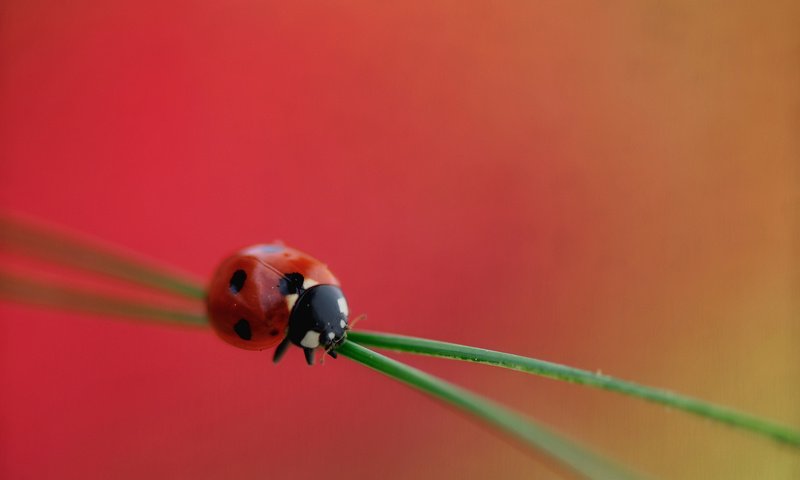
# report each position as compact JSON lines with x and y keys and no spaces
{"x":30,"y":238}
{"x":569,"y":454}
{"x":45,"y":294}
{"x":704,"y":409}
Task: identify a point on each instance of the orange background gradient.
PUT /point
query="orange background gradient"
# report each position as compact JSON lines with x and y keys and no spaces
{"x":609,"y":185}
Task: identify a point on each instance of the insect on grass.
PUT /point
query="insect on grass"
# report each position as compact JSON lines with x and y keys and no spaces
{"x":271,"y":295}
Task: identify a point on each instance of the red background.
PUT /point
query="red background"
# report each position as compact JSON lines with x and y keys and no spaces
{"x":611,"y":187}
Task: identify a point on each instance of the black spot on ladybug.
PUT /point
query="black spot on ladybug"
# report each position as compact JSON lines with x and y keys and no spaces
{"x":242,"y":328}
{"x":237,"y":281}
{"x":291,"y":283}
{"x":274,"y":333}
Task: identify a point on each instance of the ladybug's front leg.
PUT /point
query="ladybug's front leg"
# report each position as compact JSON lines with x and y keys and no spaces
{"x":281,"y":349}
{"x":309,"y":355}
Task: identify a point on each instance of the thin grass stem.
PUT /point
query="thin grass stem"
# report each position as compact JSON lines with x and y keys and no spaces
{"x":74,"y":251}
{"x":701,"y":408}
{"x":46,"y":294}
{"x":567,"y":452}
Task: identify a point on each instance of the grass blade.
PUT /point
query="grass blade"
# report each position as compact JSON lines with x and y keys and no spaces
{"x":701,"y":408}
{"x":72,"y":250}
{"x":569,"y":454}
{"x":22,"y":290}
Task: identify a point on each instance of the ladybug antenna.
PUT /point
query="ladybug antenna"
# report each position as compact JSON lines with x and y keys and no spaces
{"x":352,"y":324}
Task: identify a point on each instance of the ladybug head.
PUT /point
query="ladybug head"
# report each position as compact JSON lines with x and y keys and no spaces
{"x":319,"y":318}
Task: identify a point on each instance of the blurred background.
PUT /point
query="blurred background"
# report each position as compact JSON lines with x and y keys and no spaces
{"x":613,"y":186}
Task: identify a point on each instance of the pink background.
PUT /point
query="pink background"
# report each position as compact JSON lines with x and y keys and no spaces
{"x":612,"y":186}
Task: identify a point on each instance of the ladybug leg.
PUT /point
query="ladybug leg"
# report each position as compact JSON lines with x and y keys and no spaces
{"x":332,"y":353}
{"x":309,"y":355}
{"x":281,"y":349}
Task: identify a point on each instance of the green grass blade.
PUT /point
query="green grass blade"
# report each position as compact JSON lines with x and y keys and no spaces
{"x":74,"y":251}
{"x":33,"y":292}
{"x":568,"y":453}
{"x":704,"y":409}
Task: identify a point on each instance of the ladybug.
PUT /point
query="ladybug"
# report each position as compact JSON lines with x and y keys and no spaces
{"x":270,"y":294}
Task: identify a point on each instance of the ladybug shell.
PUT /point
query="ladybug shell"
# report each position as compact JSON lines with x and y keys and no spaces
{"x":247,"y":303}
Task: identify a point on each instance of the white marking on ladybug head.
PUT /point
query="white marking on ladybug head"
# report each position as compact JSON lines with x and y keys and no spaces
{"x":308,"y":283}
{"x":291,"y":299}
{"x":310,"y":340}
{"x":331,"y":335}
{"x":342,"y":323}
{"x":343,"y":306}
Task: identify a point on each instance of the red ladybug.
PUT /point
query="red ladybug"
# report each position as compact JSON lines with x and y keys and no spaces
{"x":268,"y":295}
